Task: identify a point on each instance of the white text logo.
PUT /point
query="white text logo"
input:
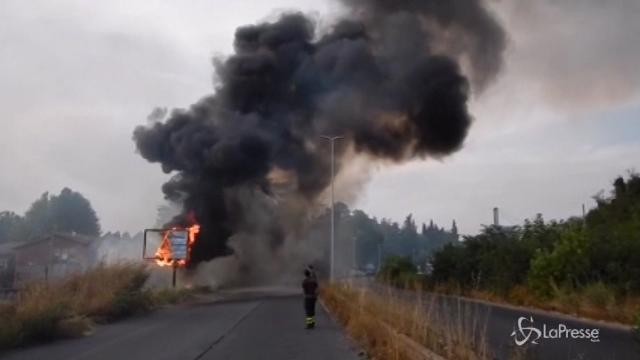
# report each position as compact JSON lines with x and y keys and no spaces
{"x":525,"y":332}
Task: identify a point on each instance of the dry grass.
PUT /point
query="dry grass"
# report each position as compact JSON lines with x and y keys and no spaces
{"x":595,"y":301}
{"x":173,"y":296}
{"x":107,"y":292}
{"x":68,"y":308}
{"x":375,"y":320}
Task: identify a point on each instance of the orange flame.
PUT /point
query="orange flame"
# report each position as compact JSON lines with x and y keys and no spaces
{"x":164,"y":254}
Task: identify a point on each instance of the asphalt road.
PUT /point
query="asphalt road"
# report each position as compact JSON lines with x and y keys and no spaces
{"x":500,"y":322}
{"x":245,"y":326}
{"x":494,"y":324}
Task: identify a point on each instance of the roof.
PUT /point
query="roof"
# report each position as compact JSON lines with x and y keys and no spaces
{"x":79,"y":239}
{"x":6,"y":247}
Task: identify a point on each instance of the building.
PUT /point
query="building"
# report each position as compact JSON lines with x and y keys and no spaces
{"x":49,"y":257}
{"x":7,"y":265}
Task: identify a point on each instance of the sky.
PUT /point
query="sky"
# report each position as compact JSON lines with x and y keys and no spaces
{"x":560,"y":122}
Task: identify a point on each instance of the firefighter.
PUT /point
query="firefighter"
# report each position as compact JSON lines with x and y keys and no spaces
{"x":312,"y":270}
{"x":310,"y":288}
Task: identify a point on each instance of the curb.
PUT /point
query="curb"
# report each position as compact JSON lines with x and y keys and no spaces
{"x":350,"y":340}
{"x":537,"y":311}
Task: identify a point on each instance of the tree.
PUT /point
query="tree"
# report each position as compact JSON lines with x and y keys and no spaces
{"x":409,"y":225}
{"x":368,"y":237}
{"x":12,"y":227}
{"x":604,"y":247}
{"x":67,"y":212}
{"x":398,"y":270}
{"x":567,"y":264}
{"x":37,"y":218}
{"x":72,"y":212}
{"x":408,"y":237}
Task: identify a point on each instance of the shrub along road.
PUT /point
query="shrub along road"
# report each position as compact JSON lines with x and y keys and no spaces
{"x":495,"y":323}
{"x":246,"y":325}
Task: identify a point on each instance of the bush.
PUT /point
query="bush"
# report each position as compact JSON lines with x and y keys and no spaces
{"x":44,"y":312}
{"x":567,"y":264}
{"x":567,"y":299}
{"x":129,"y":303}
{"x":109,"y":292}
{"x":399,"y":271}
{"x":495,"y":259}
{"x":34,"y":318}
{"x":75,"y":326}
{"x":173,"y":296}
{"x":589,"y":264}
{"x":41,"y":325}
{"x":520,"y":295}
{"x":599,"y":295}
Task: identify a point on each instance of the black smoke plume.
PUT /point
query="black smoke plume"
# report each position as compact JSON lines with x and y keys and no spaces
{"x":374,"y":78}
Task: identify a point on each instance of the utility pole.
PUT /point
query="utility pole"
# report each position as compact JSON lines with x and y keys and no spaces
{"x":332,"y":139}
{"x":174,"y":265}
{"x":355,"y":253}
{"x":379,"y":257}
{"x":496,"y":216}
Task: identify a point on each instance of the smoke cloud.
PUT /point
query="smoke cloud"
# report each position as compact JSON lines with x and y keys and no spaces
{"x":248,"y":161}
{"x":464,"y":29}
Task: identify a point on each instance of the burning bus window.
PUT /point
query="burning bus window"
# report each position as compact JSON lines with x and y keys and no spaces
{"x":152,"y":241}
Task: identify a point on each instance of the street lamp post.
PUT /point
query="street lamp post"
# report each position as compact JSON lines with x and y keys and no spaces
{"x":332,"y":139}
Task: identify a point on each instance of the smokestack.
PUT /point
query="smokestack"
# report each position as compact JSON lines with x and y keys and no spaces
{"x":247,"y":157}
{"x":496,"y":217}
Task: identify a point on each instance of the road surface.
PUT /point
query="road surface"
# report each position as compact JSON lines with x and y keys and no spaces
{"x":245,"y":326}
{"x":493,"y":324}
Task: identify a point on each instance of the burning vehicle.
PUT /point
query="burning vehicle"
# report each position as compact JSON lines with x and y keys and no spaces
{"x":176,"y":246}
{"x":174,"y":249}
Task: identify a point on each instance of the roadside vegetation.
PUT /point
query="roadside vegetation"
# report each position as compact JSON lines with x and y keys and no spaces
{"x":588,"y":267}
{"x":44,"y":312}
{"x":390,"y":328}
{"x":67,"y":212}
{"x":400,"y":271}
{"x":374,"y":238}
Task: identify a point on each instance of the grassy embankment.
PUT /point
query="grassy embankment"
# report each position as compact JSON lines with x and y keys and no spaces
{"x":596,"y":301}
{"x":587,"y":266}
{"x":44,"y":312}
{"x":386,"y":326}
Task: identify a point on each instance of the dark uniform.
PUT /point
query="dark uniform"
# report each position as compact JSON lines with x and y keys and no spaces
{"x":310,"y":288}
